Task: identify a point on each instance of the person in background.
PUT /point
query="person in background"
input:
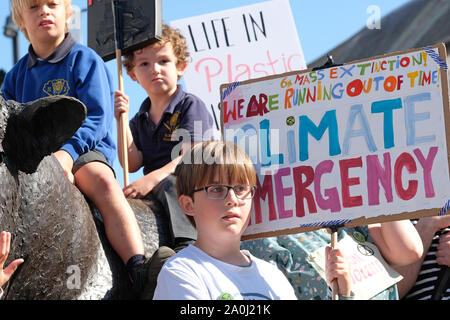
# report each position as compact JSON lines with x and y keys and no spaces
{"x":397,"y":241}
{"x":6,"y":273}
{"x":429,"y":277}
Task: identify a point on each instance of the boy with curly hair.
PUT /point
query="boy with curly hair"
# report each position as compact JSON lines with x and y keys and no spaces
{"x":152,"y":134}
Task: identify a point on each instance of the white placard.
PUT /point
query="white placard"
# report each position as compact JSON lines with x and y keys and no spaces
{"x":370,"y":274}
{"x":364,"y":140}
{"x":239,"y":44}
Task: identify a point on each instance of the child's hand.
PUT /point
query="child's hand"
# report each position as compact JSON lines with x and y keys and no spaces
{"x":5,"y":242}
{"x":337,"y":267}
{"x":66,"y":162}
{"x":437,"y":222}
{"x":443,"y":250}
{"x":141,"y":187}
{"x":121,"y":104}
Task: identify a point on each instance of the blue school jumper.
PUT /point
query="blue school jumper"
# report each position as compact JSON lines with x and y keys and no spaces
{"x":72,"y":70}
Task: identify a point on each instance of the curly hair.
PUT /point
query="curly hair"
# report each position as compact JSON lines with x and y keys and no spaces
{"x":169,"y":35}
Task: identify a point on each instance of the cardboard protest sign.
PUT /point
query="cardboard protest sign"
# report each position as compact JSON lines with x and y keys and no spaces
{"x":239,"y":44}
{"x":141,"y":25}
{"x":354,"y":144}
{"x":370,"y":274}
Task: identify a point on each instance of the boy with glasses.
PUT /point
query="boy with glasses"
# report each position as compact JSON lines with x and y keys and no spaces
{"x":217,"y":198}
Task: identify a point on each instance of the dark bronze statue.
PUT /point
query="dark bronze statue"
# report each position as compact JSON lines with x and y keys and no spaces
{"x":55,"y":228}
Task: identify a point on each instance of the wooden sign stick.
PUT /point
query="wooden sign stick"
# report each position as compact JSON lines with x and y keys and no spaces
{"x":334,"y":283}
{"x":334,"y":242}
{"x":122,"y":136}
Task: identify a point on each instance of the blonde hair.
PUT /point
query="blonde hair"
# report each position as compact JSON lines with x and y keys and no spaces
{"x":17,"y":7}
{"x":169,"y":35}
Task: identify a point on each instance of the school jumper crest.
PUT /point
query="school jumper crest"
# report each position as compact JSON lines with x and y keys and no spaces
{"x":56,"y":87}
{"x":171,"y":125}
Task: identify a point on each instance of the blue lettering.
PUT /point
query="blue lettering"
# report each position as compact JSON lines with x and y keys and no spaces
{"x":386,"y":107}
{"x":264,"y":138}
{"x":357,"y":111}
{"x":307,"y":126}
{"x":411,"y":118}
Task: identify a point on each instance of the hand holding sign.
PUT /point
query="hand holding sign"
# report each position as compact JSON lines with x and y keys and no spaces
{"x":362,"y":269}
{"x":337,"y":269}
{"x":118,"y":27}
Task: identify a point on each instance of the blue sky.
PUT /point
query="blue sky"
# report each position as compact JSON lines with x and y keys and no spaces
{"x":321,"y":25}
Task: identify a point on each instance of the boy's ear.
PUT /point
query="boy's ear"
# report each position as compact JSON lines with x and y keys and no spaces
{"x":69,"y":13}
{"x":131,"y":75}
{"x":181,"y":68}
{"x":186,"y":204}
{"x":21,"y":25}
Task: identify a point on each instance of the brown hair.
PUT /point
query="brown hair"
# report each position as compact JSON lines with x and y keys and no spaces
{"x":169,"y":35}
{"x":205,"y":160}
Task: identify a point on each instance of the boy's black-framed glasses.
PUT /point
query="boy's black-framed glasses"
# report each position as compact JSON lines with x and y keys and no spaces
{"x":220,"y":191}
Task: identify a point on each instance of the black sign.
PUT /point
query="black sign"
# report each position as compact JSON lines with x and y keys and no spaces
{"x":137,"y":22}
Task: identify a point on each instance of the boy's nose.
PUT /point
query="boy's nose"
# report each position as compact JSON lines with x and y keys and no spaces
{"x":155,"y":68}
{"x":231,"y":199}
{"x":44,"y":9}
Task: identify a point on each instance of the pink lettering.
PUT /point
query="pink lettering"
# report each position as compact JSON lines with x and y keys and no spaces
{"x":332,"y":195}
{"x":376,"y":173}
{"x":282,"y":192}
{"x":427,"y":164}
{"x":215,"y":63}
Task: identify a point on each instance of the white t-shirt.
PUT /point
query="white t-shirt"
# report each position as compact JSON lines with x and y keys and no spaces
{"x":193,"y":274}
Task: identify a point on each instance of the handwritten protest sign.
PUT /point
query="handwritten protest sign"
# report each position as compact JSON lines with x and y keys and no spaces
{"x":363,"y":142}
{"x":239,"y":44}
{"x":370,"y":274}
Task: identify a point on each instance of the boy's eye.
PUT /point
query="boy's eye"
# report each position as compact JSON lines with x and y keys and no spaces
{"x":51,"y":4}
{"x":216,"y":189}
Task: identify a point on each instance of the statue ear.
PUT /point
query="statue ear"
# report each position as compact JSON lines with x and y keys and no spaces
{"x":39,"y":128}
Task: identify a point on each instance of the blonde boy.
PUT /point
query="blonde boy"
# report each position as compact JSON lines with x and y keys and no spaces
{"x":57,"y":65}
